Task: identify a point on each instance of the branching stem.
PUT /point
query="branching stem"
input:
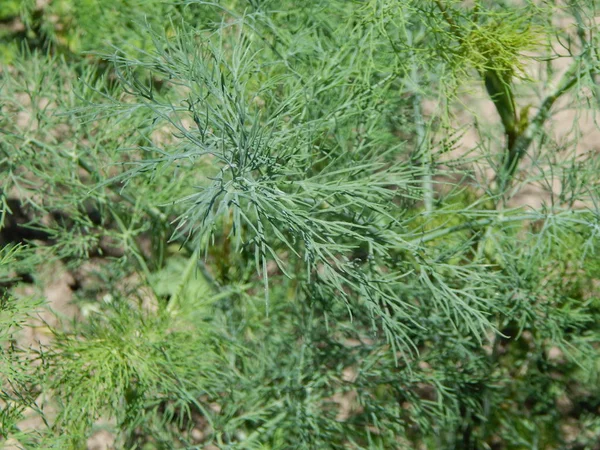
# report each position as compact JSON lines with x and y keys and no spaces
{"x":535,"y":127}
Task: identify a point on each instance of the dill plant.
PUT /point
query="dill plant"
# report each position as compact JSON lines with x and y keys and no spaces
{"x":284,"y":254}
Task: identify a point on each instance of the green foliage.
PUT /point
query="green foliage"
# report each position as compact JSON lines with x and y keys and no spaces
{"x":85,"y":25}
{"x":144,"y":369}
{"x":10,"y":9}
{"x":261,"y":238}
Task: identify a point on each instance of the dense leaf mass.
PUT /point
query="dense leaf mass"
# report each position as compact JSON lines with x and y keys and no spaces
{"x":267,"y":224}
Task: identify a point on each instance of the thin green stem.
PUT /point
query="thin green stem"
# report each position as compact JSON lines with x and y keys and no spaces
{"x":423,"y":150}
{"x":152,"y":211}
{"x":448,"y":18}
{"x":187,"y":273}
{"x":475,"y":224}
{"x":535,"y":127}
